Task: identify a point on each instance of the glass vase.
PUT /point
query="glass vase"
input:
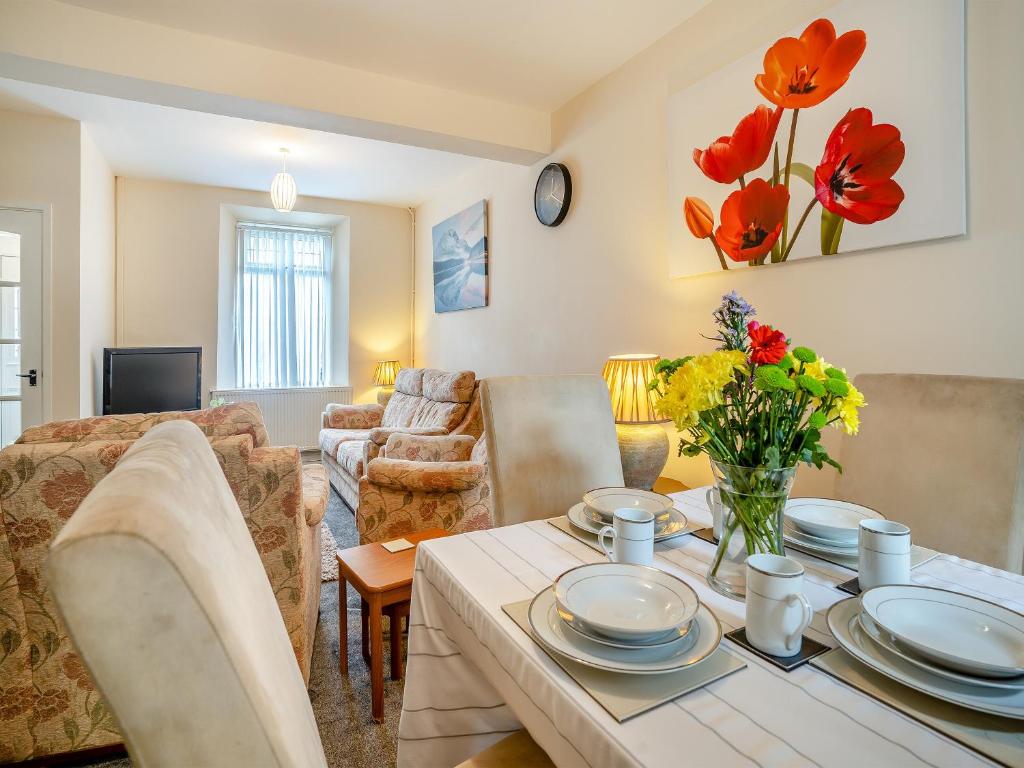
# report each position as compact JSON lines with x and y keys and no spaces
{"x":753,"y":500}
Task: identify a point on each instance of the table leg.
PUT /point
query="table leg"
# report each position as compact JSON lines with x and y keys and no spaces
{"x":342,"y":626}
{"x":376,"y":619}
{"x":395,"y":617}
{"x":364,"y":610}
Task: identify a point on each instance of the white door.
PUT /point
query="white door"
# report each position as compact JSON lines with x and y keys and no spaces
{"x":21,"y":321}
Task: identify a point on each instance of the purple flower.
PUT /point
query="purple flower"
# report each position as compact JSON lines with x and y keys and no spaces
{"x":732,"y":318}
{"x":733,"y":303}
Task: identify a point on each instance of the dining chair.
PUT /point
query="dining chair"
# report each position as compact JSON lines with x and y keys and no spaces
{"x":945,"y":456}
{"x":159,"y":583}
{"x":550,"y":439}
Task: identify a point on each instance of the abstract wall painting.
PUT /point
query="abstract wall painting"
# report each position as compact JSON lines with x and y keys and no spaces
{"x":847,"y":135}
{"x":460,"y":260}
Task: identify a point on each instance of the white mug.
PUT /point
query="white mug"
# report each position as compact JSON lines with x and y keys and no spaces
{"x":714,"y":502}
{"x":633,"y":532}
{"x":883,"y":553}
{"x":777,"y":611}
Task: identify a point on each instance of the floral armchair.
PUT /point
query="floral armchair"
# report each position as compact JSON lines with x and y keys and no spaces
{"x":423,"y":481}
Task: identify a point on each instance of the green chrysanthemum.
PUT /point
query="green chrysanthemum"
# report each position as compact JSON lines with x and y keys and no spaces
{"x":817,"y":420}
{"x":804,"y":354}
{"x":837,"y":387}
{"x":835,"y":373}
{"x":768,"y":377}
{"x":787,"y":363}
{"x":811,"y":385}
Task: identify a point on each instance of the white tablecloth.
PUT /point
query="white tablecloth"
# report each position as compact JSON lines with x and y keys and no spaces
{"x":474,"y":676}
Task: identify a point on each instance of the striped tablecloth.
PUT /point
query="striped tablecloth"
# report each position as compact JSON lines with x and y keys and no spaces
{"x":474,"y":676}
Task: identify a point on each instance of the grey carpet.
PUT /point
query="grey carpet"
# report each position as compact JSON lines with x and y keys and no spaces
{"x":342,"y":706}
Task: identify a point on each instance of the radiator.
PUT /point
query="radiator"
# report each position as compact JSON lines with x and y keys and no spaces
{"x":292,"y":416}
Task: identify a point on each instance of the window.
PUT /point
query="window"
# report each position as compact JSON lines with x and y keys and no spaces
{"x":282,"y":307}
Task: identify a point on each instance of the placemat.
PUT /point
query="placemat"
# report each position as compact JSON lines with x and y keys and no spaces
{"x":625,"y":696}
{"x":809,"y":648}
{"x":918,"y":556}
{"x":998,"y":738}
{"x":590,"y":539}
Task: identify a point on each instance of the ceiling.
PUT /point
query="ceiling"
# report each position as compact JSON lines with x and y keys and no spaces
{"x":150,"y":141}
{"x":537,"y":53}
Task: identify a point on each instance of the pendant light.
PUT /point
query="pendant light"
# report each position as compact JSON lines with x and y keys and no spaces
{"x":282,"y":188}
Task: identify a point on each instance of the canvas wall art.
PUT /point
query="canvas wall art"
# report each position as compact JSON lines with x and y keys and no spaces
{"x":847,"y":134}
{"x":460,"y":260}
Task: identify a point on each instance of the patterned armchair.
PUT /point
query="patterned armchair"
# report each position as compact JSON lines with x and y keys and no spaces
{"x":422,"y":481}
{"x":48,"y":704}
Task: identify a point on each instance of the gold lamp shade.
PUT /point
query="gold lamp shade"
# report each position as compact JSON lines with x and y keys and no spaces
{"x":627,"y":377}
{"x":385,"y":373}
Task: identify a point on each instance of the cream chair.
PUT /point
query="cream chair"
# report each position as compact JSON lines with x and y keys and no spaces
{"x":550,"y":439}
{"x":945,"y":455}
{"x":163,"y":593}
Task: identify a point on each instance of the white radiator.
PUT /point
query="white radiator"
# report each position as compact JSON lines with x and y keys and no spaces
{"x":292,"y":415}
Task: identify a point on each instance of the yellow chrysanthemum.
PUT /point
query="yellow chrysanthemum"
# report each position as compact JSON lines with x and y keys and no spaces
{"x":848,"y":410}
{"x":698,"y":386}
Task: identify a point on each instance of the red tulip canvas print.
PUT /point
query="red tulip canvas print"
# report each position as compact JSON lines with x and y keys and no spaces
{"x":823,"y":141}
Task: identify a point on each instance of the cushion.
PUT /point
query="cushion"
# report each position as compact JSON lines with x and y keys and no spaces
{"x":443,"y":387}
{"x":350,"y":457}
{"x":330,"y":439}
{"x":432,"y":414}
{"x":401,"y":410}
{"x":410,"y":381}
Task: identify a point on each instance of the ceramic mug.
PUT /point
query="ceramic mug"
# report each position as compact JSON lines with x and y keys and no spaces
{"x":714,"y":502}
{"x":883,"y":553}
{"x":632,"y":531}
{"x":777,"y":611}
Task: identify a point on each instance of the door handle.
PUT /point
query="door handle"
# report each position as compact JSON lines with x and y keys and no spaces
{"x":31,"y":376}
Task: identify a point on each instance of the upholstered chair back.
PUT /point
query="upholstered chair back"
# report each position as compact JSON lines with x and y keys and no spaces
{"x":426,"y":397}
{"x":159,"y":583}
{"x":549,"y":439}
{"x":944,"y":455}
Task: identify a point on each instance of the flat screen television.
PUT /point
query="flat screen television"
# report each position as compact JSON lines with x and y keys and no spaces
{"x":151,"y":379}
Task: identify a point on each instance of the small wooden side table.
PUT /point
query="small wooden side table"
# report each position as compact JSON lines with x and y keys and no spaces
{"x":384,"y":581}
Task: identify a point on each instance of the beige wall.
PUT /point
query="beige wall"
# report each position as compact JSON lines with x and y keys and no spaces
{"x":168,"y":262}
{"x":564,"y":299}
{"x":96,"y":278}
{"x":39,"y":166}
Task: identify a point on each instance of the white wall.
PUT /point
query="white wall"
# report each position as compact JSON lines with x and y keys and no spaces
{"x":96,"y":279}
{"x":39,"y":165}
{"x":169,"y":239}
{"x":564,"y":299}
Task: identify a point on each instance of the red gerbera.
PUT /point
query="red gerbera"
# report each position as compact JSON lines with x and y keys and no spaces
{"x":767,"y":346}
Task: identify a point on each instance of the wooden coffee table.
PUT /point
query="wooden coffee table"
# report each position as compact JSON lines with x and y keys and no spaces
{"x":384,"y":581}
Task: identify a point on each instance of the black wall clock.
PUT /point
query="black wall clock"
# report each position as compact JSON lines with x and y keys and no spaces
{"x":552,"y":194}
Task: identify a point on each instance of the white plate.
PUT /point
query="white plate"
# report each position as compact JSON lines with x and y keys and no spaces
{"x":673,"y":525}
{"x":845,"y":626}
{"x":811,"y":544}
{"x":873,"y":631}
{"x":625,"y":602}
{"x":690,"y":631}
{"x":553,"y":633}
{"x":830,"y":519}
{"x":957,"y":631}
{"x":604,"y":501}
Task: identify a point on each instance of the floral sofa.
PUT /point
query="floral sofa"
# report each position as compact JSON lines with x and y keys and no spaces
{"x":48,"y":704}
{"x":425,"y":402}
{"x":420,"y":482}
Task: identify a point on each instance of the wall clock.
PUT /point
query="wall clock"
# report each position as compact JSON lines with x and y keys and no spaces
{"x":552,"y":195}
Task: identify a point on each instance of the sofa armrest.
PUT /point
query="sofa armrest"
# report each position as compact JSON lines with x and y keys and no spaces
{"x":378,"y":438}
{"x":314,"y":492}
{"x":427,"y":477}
{"x":428,"y":447}
{"x":364,"y":416}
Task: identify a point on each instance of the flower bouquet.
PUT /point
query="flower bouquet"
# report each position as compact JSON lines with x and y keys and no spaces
{"x":757,"y":408}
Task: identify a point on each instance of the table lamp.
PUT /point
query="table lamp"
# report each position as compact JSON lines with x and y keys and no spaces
{"x":643,"y":443}
{"x":384,"y":377}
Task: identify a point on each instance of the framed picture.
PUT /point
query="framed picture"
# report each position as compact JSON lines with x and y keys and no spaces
{"x":876,"y":159}
{"x":460,"y":260}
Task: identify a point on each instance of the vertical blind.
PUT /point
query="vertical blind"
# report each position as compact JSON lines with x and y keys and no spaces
{"x":282,"y":307}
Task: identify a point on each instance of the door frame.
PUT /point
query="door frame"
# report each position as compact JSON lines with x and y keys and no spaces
{"x":46,"y":339}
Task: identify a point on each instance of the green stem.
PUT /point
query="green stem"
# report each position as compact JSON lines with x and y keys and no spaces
{"x":718,"y":250}
{"x":743,"y":182}
{"x":789,"y":165}
{"x":799,"y":226}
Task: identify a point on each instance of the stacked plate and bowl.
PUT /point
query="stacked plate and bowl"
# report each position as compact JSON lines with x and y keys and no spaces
{"x":598,"y":506}
{"x":951,"y":646}
{"x":825,"y":526}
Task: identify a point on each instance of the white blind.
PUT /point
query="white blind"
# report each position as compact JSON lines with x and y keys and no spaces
{"x":282,"y":307}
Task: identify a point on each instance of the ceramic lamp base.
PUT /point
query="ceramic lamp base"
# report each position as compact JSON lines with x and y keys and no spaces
{"x":644,"y":451}
{"x":383,"y":395}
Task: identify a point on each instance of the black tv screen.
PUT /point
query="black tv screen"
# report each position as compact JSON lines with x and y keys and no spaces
{"x":151,"y":379}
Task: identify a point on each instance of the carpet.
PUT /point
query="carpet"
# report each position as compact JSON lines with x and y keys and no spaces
{"x":328,"y":561}
{"x":342,"y":705}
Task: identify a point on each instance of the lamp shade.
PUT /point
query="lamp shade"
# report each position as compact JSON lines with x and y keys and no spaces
{"x":282,"y":188}
{"x":627,"y":377}
{"x":385,"y":373}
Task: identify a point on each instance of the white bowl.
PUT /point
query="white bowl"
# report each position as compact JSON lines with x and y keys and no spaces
{"x":626,"y":602}
{"x":830,"y":519}
{"x":604,"y":501}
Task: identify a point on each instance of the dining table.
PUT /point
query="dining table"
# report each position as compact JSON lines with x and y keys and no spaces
{"x":474,"y":676}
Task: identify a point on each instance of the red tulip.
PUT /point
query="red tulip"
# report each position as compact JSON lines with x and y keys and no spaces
{"x":746,"y":150}
{"x":699,"y":217}
{"x":854,"y":178}
{"x":751,"y":220}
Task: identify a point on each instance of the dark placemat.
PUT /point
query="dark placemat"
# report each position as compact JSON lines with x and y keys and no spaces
{"x":851,"y":587}
{"x":707,"y":534}
{"x":808,"y":650}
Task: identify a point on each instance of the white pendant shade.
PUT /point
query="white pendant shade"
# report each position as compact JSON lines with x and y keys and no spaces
{"x":282,"y":189}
